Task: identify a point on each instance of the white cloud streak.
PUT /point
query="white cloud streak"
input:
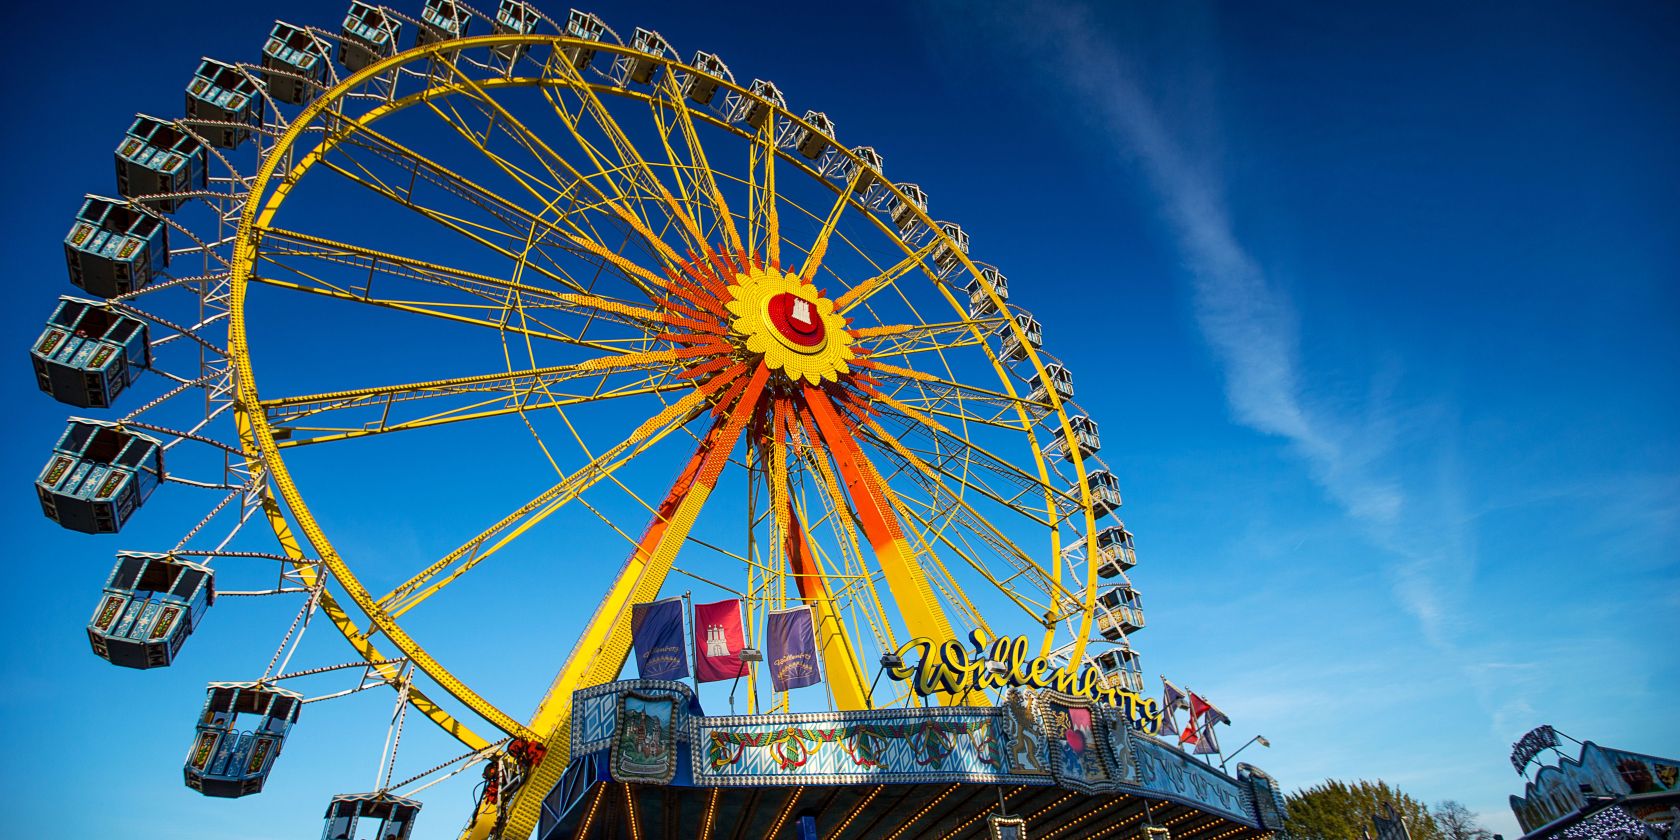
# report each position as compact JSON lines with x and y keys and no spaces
{"x":1247,"y":320}
{"x":1394,"y":470}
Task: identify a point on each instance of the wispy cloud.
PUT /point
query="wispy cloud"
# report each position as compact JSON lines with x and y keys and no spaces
{"x":1389,"y":459}
{"x":1249,"y":321}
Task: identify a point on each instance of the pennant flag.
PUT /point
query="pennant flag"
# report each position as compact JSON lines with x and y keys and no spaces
{"x":1197,"y":707}
{"x":718,"y":639}
{"x":1171,"y":700}
{"x":1211,"y":717}
{"x":1207,"y":744}
{"x":791,"y":642}
{"x":1214,"y":716}
{"x":656,"y":630}
{"x":1188,"y":736}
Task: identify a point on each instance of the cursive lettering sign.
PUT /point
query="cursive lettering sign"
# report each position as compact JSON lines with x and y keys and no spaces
{"x":947,"y":667}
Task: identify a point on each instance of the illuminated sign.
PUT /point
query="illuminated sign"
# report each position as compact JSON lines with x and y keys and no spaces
{"x":949,"y":668}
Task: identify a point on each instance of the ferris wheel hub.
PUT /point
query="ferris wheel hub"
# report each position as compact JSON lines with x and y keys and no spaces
{"x":790,"y":324}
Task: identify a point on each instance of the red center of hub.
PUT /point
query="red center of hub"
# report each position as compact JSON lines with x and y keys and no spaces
{"x":796,"y":319}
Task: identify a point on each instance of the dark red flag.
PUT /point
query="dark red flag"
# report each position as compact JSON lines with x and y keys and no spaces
{"x":718,"y":640}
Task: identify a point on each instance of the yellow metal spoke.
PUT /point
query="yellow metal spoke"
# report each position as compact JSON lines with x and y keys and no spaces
{"x":436,"y":173}
{"x":502,"y":406}
{"x":547,"y":157}
{"x":508,"y":385}
{"x":434,"y":310}
{"x":630,"y":156}
{"x":306,"y":404}
{"x":846,"y":521}
{"x":864,"y":289}
{"x":302,"y":244}
{"x":406,"y":595}
{"x":763,"y":228}
{"x":575,"y":239}
{"x":922,"y":422}
{"x":310,"y":575}
{"x":697,"y":160}
{"x":819,"y":246}
{"x":1033,"y":609}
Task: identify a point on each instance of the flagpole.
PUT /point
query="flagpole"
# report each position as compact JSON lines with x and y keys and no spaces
{"x":693,"y":655}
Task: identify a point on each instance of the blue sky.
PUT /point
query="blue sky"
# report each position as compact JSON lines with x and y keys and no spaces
{"x":1377,"y":308}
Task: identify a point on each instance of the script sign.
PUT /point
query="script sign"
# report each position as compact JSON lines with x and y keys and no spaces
{"x":1530,"y":745}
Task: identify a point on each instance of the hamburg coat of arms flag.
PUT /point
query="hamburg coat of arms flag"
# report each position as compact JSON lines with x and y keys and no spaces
{"x":718,"y":640}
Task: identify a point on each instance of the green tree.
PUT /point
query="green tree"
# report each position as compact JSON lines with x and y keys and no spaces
{"x":1337,"y":810}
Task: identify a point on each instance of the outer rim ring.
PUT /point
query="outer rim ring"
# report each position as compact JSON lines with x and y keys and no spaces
{"x":257,"y":438}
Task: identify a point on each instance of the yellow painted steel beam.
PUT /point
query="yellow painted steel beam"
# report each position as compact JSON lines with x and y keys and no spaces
{"x":991,"y":533}
{"x":627,"y":152}
{"x":922,"y":613}
{"x":582,"y":300}
{"x":762,"y":151}
{"x":380,"y":662}
{"x":405,"y":306}
{"x":600,"y":653}
{"x":313,"y":403}
{"x":843,"y":513}
{"x":697,"y":159}
{"x":819,"y":246}
{"x":840,"y":663}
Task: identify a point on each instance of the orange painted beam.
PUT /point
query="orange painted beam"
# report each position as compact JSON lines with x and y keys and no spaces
{"x":922,"y":613}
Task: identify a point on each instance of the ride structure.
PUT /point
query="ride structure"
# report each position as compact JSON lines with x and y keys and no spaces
{"x":524,"y":228}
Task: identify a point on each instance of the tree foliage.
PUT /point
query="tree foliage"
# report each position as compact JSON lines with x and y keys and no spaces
{"x":1337,"y":810}
{"x":1456,"y":822}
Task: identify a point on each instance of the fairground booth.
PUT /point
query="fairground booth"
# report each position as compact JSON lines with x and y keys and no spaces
{"x":1594,"y":792}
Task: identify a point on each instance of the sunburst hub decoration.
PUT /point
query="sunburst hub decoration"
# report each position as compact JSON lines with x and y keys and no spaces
{"x":731,"y":313}
{"x":790,"y":324}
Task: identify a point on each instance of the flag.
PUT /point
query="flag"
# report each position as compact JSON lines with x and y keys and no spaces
{"x":1171,"y":700}
{"x":1188,"y":736}
{"x":656,"y":630}
{"x":1197,"y":707}
{"x":1213,"y":716}
{"x":791,"y":642}
{"x":718,"y":639}
{"x":1207,"y":744}
{"x":1210,"y":718}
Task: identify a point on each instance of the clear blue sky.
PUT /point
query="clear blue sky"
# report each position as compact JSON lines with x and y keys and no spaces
{"x":1379,"y":310}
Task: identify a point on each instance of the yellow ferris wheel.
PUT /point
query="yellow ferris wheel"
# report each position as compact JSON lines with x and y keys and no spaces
{"x":690,"y":335}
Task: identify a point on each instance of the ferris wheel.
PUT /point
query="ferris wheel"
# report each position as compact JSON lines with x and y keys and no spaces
{"x":600,"y":322}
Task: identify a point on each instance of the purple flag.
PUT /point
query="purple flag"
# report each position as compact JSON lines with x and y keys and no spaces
{"x":1171,"y":700}
{"x":1208,"y":743}
{"x":791,"y":642}
{"x":656,"y":629}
